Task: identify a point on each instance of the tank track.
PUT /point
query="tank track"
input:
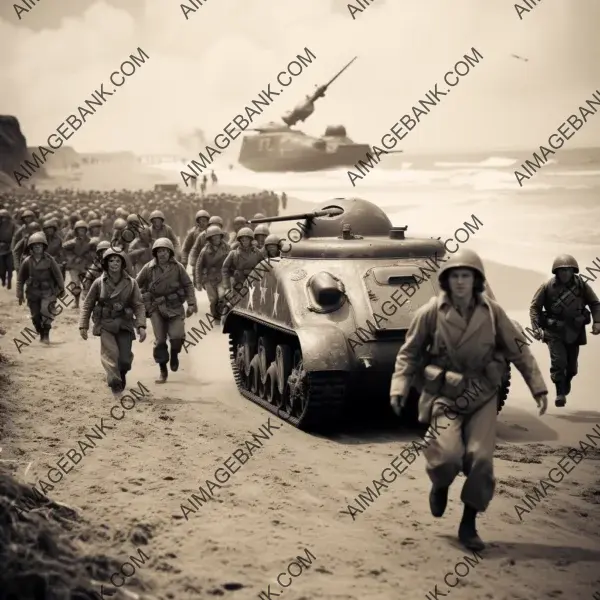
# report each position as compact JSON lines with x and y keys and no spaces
{"x":504,"y":390}
{"x":326,"y":397}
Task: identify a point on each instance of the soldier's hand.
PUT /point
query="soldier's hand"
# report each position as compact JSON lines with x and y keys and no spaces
{"x":142,"y":333}
{"x":190,"y":311}
{"x":83,"y":333}
{"x":397,"y":404}
{"x":542,"y":401}
{"x":538,"y":334}
{"x":21,"y":300}
{"x":596,"y":328}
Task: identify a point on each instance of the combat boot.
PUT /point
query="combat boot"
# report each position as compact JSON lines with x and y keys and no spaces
{"x":467,"y":532}
{"x":561,"y":398}
{"x":76,"y":305}
{"x":124,"y":378}
{"x":174,"y":362}
{"x":9,"y":283}
{"x":164,"y":373}
{"x":438,"y":500}
{"x":45,"y":336}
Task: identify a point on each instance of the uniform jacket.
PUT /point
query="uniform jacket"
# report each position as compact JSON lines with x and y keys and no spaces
{"x":158,"y":284}
{"x":19,"y":233}
{"x":7,"y":232}
{"x":166,"y":232}
{"x":117,"y":297}
{"x":79,"y":253}
{"x":481,"y":348}
{"x":559,"y":309}
{"x":55,"y":248}
{"x":197,"y":248}
{"x":188,"y":244}
{"x":140,"y":251}
{"x":209,"y":264}
{"x":41,"y":276}
{"x":239,"y":263}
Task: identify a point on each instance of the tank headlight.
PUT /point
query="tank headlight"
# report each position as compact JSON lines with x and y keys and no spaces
{"x":326,"y":292}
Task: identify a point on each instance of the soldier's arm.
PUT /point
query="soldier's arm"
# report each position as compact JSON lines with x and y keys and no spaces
{"x":409,"y":358}
{"x":536,"y":306}
{"x":22,"y":277}
{"x":195,"y":251}
{"x":515,"y":348}
{"x":186,"y":282}
{"x":56,"y":273}
{"x":171,"y":235}
{"x":591,"y":299}
{"x":188,"y":244}
{"x":142,"y":278}
{"x":88,"y":305}
{"x":226,"y":269}
{"x":18,"y":252}
{"x":15,"y":238}
{"x":199,"y":266}
{"x":138,"y":306}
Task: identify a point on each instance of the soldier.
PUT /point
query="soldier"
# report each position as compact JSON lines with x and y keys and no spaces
{"x":467,"y":338}
{"x":201,"y":242}
{"x":140,"y":250}
{"x":55,"y":244}
{"x":238,"y":223}
{"x":43,"y":282}
{"x":79,"y":258}
{"x":165,"y":286}
{"x":558,"y":317}
{"x":21,"y":248}
{"x":118,"y":241}
{"x":95,"y":227}
{"x":95,"y":269}
{"x":240,"y":262}
{"x":261,"y":231}
{"x":201,"y":220}
{"x":208,"y":273}
{"x":272,"y":246}
{"x":7,"y":232}
{"x":160,"y":229}
{"x":26,"y":217}
{"x":284,"y":200}
{"x":115,"y":304}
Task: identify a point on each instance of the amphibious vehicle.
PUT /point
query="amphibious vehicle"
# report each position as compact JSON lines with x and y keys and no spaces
{"x":319,"y":329}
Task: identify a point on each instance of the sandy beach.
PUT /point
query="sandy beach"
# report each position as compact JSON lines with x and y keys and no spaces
{"x":291,"y":494}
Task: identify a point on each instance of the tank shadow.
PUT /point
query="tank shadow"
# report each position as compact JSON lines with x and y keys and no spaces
{"x":516,"y":425}
{"x":581,"y":416}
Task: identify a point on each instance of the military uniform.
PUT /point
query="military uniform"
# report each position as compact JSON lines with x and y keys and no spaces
{"x":192,"y":236}
{"x":140,"y":251}
{"x":240,"y":262}
{"x":117,"y":310}
{"x":460,"y":363}
{"x":7,"y":231}
{"x":164,"y":231}
{"x":560,"y":311}
{"x":164,"y":290}
{"x":207,"y":273}
{"x":79,"y":258}
{"x":43,"y":283}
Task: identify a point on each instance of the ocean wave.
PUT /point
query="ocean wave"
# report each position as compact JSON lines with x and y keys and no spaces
{"x":494,"y":162}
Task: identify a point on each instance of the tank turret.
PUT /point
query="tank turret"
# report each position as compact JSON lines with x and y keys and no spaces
{"x":316,"y":331}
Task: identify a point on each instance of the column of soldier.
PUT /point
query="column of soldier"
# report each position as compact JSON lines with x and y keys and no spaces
{"x":125,"y":267}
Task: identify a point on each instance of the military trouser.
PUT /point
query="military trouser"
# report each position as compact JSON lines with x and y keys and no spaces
{"x":75,"y":276}
{"x":163,"y":327}
{"x":563,"y":363}
{"x":6,"y":269}
{"x":216,"y":296}
{"x":463,"y":442}
{"x":42,"y":314}
{"x":115,"y":354}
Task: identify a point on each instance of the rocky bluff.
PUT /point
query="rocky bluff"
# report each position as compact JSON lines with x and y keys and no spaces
{"x":13,"y":147}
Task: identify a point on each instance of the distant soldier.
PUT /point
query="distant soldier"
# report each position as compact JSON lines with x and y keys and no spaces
{"x":21,"y":248}
{"x":201,"y":220}
{"x":201,"y":242}
{"x":95,"y":269}
{"x":115,"y":304}
{"x":160,"y":229}
{"x":27,"y":217}
{"x":208,"y":271}
{"x":79,"y":257}
{"x":140,"y":250}
{"x":559,"y":315}
{"x":55,"y":244}
{"x":284,"y":200}
{"x":41,"y":281}
{"x":261,"y":231}
{"x":240,"y":262}
{"x":7,"y":232}
{"x":165,"y":286}
{"x":238,"y":223}
{"x":272,"y":247}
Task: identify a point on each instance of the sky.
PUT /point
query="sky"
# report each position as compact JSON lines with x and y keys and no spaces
{"x":202,"y":71}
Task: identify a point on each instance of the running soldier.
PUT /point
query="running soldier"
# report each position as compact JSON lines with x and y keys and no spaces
{"x":208,"y":272}
{"x":240,"y":262}
{"x":201,"y":220}
{"x":160,"y":230}
{"x":165,"y":286}
{"x":261,"y":231}
{"x":200,"y":243}
{"x":115,"y":304}
{"x":272,"y":247}
{"x":21,"y":249}
{"x":41,"y":281}
{"x":95,"y":269}
{"x":79,"y":258}
{"x":55,"y":244}
{"x":559,"y":315}
{"x":8,"y":229}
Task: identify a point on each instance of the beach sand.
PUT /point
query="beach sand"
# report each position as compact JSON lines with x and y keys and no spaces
{"x":290,"y":495}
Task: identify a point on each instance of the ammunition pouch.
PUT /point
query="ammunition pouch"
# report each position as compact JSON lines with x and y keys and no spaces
{"x":41,"y":285}
{"x":439,"y":382}
{"x":113,"y":310}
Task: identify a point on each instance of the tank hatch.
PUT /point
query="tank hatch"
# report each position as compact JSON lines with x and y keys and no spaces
{"x":388,"y":290}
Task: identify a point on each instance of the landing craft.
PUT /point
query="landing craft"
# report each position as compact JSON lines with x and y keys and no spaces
{"x":318,"y":331}
{"x":280,"y":148}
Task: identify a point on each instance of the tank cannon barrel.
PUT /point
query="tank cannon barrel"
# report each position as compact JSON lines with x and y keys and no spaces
{"x":327,"y":212}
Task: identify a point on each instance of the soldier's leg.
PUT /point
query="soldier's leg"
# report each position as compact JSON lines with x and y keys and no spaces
{"x":176,"y":336}
{"x":3,"y":269}
{"x":213,"y":298}
{"x":220,"y":300}
{"x":572,"y":365}
{"x":124,"y":342}
{"x":160,"y":350}
{"x":443,"y":456}
{"x":76,"y":288}
{"x":558,"y":368}
{"x":35,"y":309}
{"x":47,"y":308}
{"x":109,"y":357}
{"x":10,"y":267}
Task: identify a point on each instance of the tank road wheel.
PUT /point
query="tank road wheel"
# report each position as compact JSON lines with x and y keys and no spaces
{"x":265,"y":355}
{"x":272,"y":394}
{"x":297,"y":397}
{"x":245,"y":353}
{"x":504,"y":389}
{"x":283,"y":362}
{"x":254,"y":384}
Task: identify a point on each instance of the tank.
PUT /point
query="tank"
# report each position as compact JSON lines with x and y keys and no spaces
{"x":308,"y":341}
{"x":277,"y":147}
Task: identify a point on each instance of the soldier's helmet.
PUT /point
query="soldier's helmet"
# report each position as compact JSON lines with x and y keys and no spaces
{"x":258,"y":216}
{"x":52,"y":222}
{"x":216,"y":221}
{"x":202,"y":214}
{"x":245,"y":232}
{"x":119,"y":224}
{"x":565,"y":261}
{"x":121,"y":212}
{"x":239,"y":221}
{"x":4,"y":214}
{"x":33,"y":227}
{"x":94,"y":243}
{"x":113,"y":252}
{"x":157,"y":214}
{"x":273,"y":239}
{"x":37,"y":238}
{"x":163,"y":243}
{"x":133,"y":218}
{"x":95,"y":223}
{"x":261,"y":229}
{"x":464,"y":258}
{"x":80,"y":225}
{"x":27,"y":213}
{"x":102,"y":246}
{"x":213,"y":230}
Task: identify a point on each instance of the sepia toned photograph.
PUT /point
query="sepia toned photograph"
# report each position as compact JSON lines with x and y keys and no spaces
{"x":299,"y":300}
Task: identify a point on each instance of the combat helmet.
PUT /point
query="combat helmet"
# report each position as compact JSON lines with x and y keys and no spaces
{"x":133,"y":219}
{"x":80,"y":225}
{"x":4,"y":213}
{"x":163,"y":243}
{"x":273,"y":240}
{"x":216,"y":220}
{"x":245,"y":232}
{"x":212,"y":231}
{"x":564,"y":261}
{"x":201,"y":214}
{"x":52,"y":222}
{"x":119,"y":224}
{"x":463,"y":258}
{"x":239,"y":221}
{"x":102,"y":246}
{"x":27,"y":213}
{"x":94,"y":243}
{"x":261,"y":229}
{"x":113,"y":252}
{"x":156,"y":214}
{"x":95,"y":223}
{"x":259,"y":216}
{"x":39,"y":237}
